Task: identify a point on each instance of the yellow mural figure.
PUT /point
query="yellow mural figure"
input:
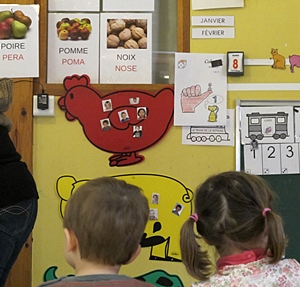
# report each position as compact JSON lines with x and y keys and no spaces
{"x":163,"y":228}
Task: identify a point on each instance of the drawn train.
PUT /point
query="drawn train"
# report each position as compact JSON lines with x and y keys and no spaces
{"x":273,"y":125}
{"x":204,"y":133}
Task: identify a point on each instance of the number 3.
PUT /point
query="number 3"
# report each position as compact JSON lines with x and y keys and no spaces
{"x":290,"y":150}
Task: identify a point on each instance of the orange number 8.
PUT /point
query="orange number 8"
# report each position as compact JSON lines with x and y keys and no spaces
{"x":235,"y":63}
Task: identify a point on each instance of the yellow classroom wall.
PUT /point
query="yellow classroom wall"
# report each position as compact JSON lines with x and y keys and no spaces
{"x":61,"y":148}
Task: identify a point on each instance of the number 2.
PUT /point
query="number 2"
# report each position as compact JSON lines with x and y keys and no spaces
{"x":271,"y":154}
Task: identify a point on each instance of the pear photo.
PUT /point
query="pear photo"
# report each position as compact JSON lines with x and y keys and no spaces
{"x":14,"y":24}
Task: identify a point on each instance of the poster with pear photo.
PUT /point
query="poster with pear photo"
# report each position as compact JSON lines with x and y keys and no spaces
{"x":19,"y":30}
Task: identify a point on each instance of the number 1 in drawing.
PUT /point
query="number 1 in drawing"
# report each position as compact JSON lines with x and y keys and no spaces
{"x":253,"y":150}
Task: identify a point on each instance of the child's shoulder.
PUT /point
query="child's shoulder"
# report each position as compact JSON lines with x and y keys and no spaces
{"x":258,"y":273}
{"x":54,"y":282}
{"x":96,"y":280}
{"x":291,"y":264}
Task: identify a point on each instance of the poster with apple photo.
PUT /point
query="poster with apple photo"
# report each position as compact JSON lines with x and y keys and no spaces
{"x":74,"y":5}
{"x":19,"y":41}
{"x":73,"y":46}
{"x":129,"y":5}
{"x":126,"y":48}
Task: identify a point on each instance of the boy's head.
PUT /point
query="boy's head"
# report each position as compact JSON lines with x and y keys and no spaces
{"x":108,"y":218}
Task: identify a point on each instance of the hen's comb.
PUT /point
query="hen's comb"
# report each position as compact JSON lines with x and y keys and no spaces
{"x":76,"y":80}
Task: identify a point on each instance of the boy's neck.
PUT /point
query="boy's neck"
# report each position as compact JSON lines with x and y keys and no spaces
{"x":91,"y":268}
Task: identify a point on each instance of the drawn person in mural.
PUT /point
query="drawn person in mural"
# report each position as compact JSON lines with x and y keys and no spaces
{"x":18,"y":193}
{"x":102,"y":204}
{"x":141,"y":113}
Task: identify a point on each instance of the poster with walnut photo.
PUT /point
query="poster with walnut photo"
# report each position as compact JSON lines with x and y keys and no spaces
{"x":126,"y":48}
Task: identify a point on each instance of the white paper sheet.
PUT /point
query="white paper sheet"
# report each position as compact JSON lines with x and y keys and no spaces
{"x":214,"y":135}
{"x":74,"y":5}
{"x":213,"y":33}
{"x":216,"y":4}
{"x":267,"y":124}
{"x":213,"y":21}
{"x":129,"y":5}
{"x":200,"y":89}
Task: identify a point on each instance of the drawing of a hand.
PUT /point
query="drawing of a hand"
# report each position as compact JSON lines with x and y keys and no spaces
{"x":191,"y":97}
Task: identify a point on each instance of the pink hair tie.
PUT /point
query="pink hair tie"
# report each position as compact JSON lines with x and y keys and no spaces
{"x":194,"y":216}
{"x":265,"y":211}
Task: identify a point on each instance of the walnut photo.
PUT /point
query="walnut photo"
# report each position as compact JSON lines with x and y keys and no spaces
{"x":127,"y":33}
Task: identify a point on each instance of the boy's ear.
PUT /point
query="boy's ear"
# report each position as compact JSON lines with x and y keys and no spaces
{"x":71,"y":240}
{"x":135,"y":254}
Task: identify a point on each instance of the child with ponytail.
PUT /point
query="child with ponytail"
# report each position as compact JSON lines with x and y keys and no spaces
{"x":234,"y":213}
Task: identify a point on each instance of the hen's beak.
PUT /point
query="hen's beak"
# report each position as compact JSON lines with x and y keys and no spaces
{"x":61,"y":103}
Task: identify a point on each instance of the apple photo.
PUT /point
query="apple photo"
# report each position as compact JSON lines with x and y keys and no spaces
{"x":13,"y":24}
{"x":74,"y":29}
{"x":127,"y":33}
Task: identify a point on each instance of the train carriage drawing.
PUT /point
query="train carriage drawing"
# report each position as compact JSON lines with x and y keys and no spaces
{"x":204,"y":133}
{"x":264,"y":125}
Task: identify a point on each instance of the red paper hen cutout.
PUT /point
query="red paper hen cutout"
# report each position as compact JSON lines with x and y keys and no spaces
{"x":86,"y":104}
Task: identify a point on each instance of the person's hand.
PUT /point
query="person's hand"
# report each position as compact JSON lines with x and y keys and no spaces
{"x":191,"y":97}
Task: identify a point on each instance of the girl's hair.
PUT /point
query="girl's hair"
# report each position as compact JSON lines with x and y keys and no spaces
{"x":229,"y":207}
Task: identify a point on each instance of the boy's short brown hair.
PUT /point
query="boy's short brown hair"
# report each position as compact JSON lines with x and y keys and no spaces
{"x":108,"y":217}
